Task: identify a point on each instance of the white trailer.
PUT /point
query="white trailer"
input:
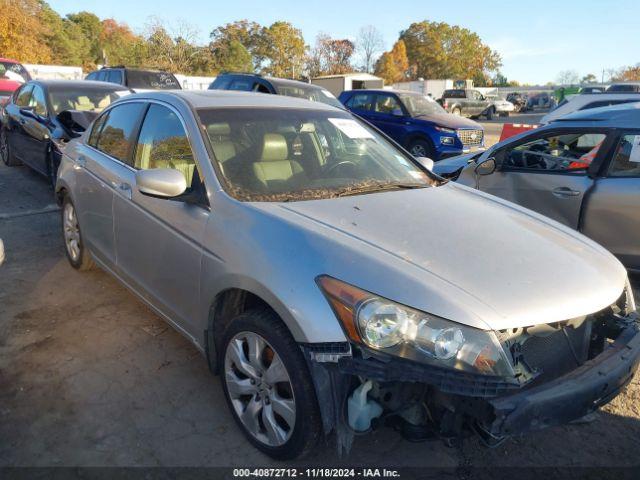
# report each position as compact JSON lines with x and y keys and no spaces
{"x":54,"y":72}
{"x":337,"y":84}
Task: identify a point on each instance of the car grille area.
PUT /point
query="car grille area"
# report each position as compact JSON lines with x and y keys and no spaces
{"x":471,"y":138}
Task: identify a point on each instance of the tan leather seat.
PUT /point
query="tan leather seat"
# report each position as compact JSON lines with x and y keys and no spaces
{"x":274,"y":165}
{"x":219,"y":135}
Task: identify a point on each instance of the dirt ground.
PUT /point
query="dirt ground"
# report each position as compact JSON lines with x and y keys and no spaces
{"x":90,"y":377}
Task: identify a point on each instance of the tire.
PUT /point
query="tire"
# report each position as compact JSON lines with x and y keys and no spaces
{"x":490,"y":113}
{"x":5,"y":151}
{"x":456,"y":111}
{"x":248,"y":387}
{"x":421,"y":148}
{"x":77,"y":254}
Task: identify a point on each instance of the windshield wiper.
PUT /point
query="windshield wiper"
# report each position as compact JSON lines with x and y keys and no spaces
{"x":379,"y":187}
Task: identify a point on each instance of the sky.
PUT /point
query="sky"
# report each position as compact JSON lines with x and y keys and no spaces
{"x":536,"y":39}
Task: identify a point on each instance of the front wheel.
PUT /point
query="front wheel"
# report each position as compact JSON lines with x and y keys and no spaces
{"x":77,"y":254}
{"x":268,"y":386}
{"x":5,"y":151}
{"x":421,"y":148}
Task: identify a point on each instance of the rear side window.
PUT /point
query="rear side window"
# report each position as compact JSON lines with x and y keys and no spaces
{"x":117,"y":135}
{"x":453,"y":94}
{"x":114,"y":76}
{"x":92,"y":76}
{"x":361,"y":101}
{"x":242,"y":84}
{"x":626,"y":161}
{"x":221,"y":83}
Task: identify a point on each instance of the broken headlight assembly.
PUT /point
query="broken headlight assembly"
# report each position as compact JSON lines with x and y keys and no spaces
{"x":389,"y":327}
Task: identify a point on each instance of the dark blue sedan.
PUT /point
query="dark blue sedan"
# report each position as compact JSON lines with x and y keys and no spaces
{"x":416,"y":122}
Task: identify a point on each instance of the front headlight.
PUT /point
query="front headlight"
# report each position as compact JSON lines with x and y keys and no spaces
{"x":396,"y":329}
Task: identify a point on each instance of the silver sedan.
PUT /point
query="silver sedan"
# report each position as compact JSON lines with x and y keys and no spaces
{"x":334,"y":282}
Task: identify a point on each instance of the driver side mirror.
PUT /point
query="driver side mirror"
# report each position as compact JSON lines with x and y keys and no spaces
{"x":426,"y":162}
{"x":397,"y":112}
{"x":486,"y":167}
{"x":161,"y":182}
{"x":29,"y":112}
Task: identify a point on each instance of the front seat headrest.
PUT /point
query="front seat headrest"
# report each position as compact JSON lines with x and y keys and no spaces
{"x":274,"y":148}
{"x":218,"y":129}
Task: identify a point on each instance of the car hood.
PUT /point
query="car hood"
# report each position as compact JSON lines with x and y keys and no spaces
{"x":459,"y":254}
{"x":448,"y":120}
{"x":451,"y":164}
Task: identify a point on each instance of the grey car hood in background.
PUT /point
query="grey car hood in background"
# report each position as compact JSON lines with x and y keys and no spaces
{"x":459,"y":254}
{"x":448,"y":120}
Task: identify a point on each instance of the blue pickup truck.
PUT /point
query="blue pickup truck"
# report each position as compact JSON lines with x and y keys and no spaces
{"x":416,"y":122}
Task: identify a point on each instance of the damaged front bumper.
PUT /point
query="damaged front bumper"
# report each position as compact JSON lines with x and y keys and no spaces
{"x":571,"y":396}
{"x":457,"y":402}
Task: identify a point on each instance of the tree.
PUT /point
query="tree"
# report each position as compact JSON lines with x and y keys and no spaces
{"x":567,"y":77}
{"x":283,"y":48}
{"x":330,"y":56}
{"x":120,"y":46}
{"x":19,"y":17}
{"x":628,"y":74}
{"x":247,"y":34}
{"x":174,"y":49}
{"x":393,"y":66}
{"x":91,"y":28}
{"x":368,"y":44}
{"x":589,"y":78}
{"x":439,"y":50}
{"x":232,"y":57}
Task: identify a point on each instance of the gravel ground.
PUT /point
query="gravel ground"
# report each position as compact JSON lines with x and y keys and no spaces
{"x":91,"y":377}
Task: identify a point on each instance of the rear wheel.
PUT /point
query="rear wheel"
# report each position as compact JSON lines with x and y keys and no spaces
{"x":77,"y":254}
{"x":421,"y":148}
{"x":5,"y":150}
{"x":268,"y":386}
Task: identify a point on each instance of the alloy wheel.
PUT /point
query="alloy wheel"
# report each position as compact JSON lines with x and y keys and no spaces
{"x":4,"y":148}
{"x":260,"y":389}
{"x":418,"y":151}
{"x":71,"y":232}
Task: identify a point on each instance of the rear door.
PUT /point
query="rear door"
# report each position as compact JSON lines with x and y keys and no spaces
{"x":611,"y":215}
{"x":159,"y":240}
{"x":549,"y":172}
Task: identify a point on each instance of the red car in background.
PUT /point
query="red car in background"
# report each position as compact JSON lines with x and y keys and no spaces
{"x":12,"y":75}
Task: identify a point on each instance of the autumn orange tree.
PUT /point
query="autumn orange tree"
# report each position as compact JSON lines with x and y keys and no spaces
{"x":393,"y":66}
{"x":18,"y":17}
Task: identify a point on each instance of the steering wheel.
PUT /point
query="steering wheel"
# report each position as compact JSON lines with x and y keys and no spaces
{"x":341,"y":164}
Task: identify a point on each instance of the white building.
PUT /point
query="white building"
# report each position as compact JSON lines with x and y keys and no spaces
{"x":433,"y":88}
{"x":54,"y":72}
{"x":337,"y":84}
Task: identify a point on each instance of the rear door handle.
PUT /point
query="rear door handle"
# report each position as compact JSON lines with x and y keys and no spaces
{"x":566,"y":192}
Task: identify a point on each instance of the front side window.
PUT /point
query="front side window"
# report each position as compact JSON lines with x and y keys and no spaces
{"x":116,"y":137}
{"x":626,"y":160}
{"x":570,"y":152}
{"x":290,"y":155}
{"x":242,"y":84}
{"x":115,"y":76}
{"x":361,"y":101}
{"x":38,"y":102}
{"x":313,"y":94}
{"x":96,"y":129}
{"x":387,"y":104}
{"x":163,"y":143}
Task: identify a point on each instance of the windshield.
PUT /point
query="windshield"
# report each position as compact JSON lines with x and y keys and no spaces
{"x":14,"y":71}
{"x":313,"y":94}
{"x":85,"y":99}
{"x":152,"y":80}
{"x":421,"y":105}
{"x":291,"y":154}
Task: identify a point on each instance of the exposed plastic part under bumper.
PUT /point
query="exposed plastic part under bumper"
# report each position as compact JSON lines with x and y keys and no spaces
{"x":571,"y":396}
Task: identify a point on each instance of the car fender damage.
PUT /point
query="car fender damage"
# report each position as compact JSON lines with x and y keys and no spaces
{"x":423,"y":401}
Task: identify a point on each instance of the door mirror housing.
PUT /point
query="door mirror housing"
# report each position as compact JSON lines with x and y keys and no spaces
{"x":29,"y":112}
{"x":426,"y":162}
{"x":161,"y":182}
{"x":397,"y":112}
{"x":486,"y":167}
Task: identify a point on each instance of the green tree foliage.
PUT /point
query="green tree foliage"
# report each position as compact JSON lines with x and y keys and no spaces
{"x":330,"y":56}
{"x":440,"y":50}
{"x":283,"y":47}
{"x":228,"y":39}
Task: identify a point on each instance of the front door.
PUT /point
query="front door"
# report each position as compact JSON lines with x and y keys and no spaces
{"x":36,"y":133}
{"x":548,"y":174}
{"x":611,"y":215}
{"x":158,"y":240}
{"x":389,"y":116}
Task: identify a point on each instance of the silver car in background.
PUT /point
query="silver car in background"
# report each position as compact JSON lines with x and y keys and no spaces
{"x":582,"y":170}
{"x":334,"y":282}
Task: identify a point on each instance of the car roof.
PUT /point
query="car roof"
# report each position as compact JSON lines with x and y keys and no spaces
{"x":225,"y":98}
{"x":625,"y":116}
{"x":276,"y":80}
{"x":80,"y":84}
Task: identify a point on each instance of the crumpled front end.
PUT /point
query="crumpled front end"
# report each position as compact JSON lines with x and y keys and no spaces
{"x":562,"y":371}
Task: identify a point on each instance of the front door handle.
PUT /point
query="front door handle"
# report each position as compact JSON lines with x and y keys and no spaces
{"x":566,"y":192}
{"x":81,"y":161}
